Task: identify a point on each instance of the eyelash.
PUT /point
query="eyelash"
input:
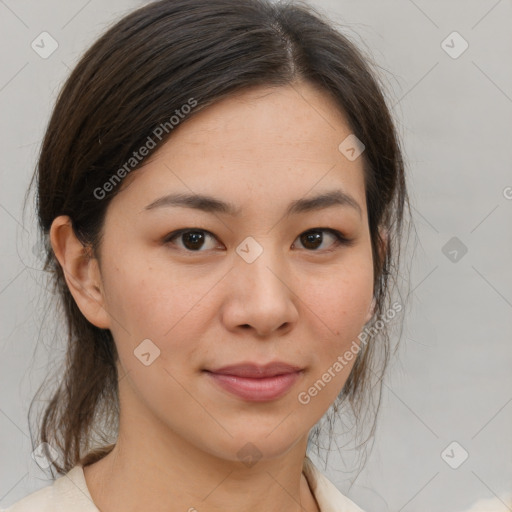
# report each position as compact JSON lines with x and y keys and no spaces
{"x":340,"y":238}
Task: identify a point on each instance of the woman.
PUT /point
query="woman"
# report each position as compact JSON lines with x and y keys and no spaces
{"x":221,"y":193}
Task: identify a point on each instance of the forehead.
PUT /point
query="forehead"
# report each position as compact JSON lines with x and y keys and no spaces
{"x":265,"y":141}
{"x":294,"y":118}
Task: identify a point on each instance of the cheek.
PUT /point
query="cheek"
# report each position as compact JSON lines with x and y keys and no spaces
{"x":337,"y":306}
{"x":151,"y":300}
{"x":341,"y":297}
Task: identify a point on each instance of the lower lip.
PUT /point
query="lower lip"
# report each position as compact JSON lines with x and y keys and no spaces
{"x":256,"y":390}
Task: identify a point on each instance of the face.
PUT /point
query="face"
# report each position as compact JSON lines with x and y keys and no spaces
{"x":208,"y":288}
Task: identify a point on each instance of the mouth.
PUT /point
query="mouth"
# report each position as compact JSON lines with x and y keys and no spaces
{"x":256,"y":383}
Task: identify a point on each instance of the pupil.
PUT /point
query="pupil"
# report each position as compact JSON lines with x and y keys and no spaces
{"x":313,"y":237}
{"x":195,"y":236}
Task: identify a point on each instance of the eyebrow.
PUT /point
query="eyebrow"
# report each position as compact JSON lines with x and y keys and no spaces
{"x":213,"y":205}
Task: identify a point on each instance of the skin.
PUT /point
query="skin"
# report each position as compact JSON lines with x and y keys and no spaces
{"x":303,"y":304}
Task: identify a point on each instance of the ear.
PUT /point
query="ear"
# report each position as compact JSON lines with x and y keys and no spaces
{"x":384,"y":235}
{"x":383,"y":248}
{"x":371,"y":311}
{"x":81,"y":271}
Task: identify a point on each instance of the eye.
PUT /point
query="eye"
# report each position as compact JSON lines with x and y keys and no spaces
{"x":313,"y":238}
{"x":193,"y":239}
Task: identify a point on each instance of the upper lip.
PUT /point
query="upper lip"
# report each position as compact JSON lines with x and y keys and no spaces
{"x":252,"y":370}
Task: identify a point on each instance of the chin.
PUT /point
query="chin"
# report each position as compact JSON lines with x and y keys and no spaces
{"x":250,"y":446}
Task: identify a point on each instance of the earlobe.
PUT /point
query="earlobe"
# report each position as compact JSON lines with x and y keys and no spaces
{"x":81,"y":271}
{"x":385,"y":240}
{"x":383,"y":249}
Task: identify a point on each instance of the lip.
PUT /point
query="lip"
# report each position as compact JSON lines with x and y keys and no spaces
{"x":256,"y":383}
{"x":256,"y":371}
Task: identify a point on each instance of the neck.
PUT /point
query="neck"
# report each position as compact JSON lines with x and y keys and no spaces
{"x":146,"y":472}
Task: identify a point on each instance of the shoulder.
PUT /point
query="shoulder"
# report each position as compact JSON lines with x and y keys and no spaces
{"x":327,"y":495}
{"x":68,"y":492}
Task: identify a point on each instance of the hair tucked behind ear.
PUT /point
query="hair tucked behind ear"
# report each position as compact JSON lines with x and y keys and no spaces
{"x":132,"y":80}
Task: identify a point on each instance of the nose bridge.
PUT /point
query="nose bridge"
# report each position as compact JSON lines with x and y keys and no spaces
{"x":263,"y":292}
{"x":260,"y":265}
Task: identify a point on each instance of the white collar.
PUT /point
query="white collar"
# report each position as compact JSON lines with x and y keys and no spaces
{"x":70,"y":492}
{"x":327,"y":495}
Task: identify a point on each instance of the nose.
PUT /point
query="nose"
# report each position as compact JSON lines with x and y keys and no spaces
{"x":260,"y":296}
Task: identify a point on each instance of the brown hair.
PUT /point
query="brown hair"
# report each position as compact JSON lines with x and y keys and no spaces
{"x":135,"y":76}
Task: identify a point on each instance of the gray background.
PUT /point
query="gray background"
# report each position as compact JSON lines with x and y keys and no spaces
{"x":452,"y":379}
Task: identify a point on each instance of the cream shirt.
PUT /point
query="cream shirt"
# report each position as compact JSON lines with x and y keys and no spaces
{"x":69,"y":493}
